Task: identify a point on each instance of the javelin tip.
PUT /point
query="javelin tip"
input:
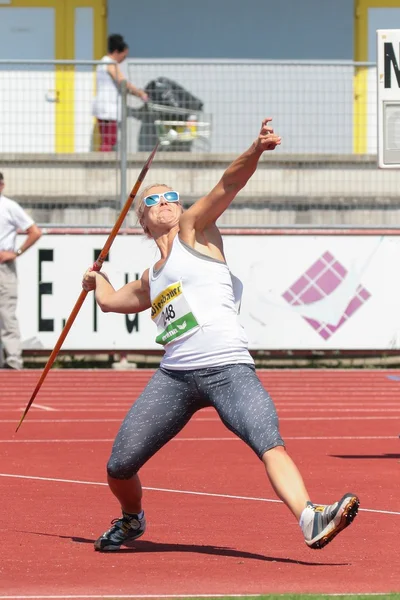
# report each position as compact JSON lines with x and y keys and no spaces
{"x":20,"y":422}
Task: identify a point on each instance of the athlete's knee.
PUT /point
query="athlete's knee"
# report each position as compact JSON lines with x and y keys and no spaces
{"x":271,"y":440}
{"x":275,"y":438}
{"x":270,"y":452}
{"x":120,"y":468}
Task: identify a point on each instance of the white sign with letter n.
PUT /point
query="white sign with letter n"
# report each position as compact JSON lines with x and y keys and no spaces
{"x":388,"y":85}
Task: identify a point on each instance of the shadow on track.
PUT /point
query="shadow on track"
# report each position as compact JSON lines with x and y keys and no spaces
{"x":356,"y":456}
{"x":148,"y":546}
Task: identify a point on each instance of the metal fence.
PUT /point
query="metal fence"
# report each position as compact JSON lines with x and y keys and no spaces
{"x":324,"y":174}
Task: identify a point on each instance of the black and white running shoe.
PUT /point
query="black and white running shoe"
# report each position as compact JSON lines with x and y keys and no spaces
{"x":123,"y":532}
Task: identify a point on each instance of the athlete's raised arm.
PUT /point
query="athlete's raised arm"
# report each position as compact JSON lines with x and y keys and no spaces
{"x":205,"y":212}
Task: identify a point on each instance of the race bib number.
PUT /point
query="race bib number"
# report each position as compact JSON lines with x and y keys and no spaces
{"x":171,"y":313}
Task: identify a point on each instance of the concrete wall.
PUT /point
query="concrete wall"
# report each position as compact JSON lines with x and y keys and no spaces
{"x":294,"y":190}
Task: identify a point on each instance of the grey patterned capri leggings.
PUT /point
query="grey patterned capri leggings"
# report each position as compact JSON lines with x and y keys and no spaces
{"x":171,"y":398}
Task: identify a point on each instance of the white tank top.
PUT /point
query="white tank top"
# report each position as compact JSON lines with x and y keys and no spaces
{"x":195,"y":303}
{"x":106,"y":104}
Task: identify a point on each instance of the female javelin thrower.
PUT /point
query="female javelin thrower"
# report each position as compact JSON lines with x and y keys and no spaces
{"x":194,"y":303}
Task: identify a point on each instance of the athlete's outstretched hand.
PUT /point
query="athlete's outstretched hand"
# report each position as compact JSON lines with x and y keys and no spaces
{"x":267,"y":138}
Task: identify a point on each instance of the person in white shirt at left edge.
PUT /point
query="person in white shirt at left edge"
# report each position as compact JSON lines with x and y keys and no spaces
{"x":106,"y":105}
{"x":13,"y":219}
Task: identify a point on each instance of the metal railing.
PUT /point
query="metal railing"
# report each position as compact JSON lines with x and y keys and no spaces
{"x":324,"y":174}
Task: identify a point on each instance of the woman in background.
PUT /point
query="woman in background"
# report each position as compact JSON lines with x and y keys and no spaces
{"x":106,"y":106}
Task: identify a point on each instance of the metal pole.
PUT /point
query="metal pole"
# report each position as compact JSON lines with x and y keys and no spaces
{"x":123,"y":143}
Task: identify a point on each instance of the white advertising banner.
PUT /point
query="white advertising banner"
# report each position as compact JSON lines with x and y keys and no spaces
{"x":301,"y":292}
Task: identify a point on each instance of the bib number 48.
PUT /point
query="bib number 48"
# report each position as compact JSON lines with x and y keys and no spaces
{"x":168,"y":314}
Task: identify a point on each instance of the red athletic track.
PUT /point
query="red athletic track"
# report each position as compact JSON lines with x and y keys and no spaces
{"x":197,"y":544}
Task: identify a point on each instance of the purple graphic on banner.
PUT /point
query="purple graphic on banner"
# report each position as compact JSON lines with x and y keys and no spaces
{"x":320,"y":280}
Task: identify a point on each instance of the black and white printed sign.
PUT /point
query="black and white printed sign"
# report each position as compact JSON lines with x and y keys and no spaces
{"x":300,"y":291}
{"x":388,"y":85}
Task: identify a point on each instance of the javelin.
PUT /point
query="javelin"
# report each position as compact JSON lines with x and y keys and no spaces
{"x":96,"y":267}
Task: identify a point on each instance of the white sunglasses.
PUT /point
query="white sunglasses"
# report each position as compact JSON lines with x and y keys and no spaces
{"x":155,"y":198}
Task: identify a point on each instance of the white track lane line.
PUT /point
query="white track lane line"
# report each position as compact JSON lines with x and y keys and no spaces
{"x":279,"y":409}
{"x":347,"y":410}
{"x":28,"y":420}
{"x":371,"y":418}
{"x":207,"y":419}
{"x":172,"y":596}
{"x":278,"y":403}
{"x":170,"y":491}
{"x":74,"y":410}
{"x":195,"y":439}
{"x":123,"y":596}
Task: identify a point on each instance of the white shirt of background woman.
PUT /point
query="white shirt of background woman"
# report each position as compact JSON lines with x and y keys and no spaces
{"x":106,"y":105}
